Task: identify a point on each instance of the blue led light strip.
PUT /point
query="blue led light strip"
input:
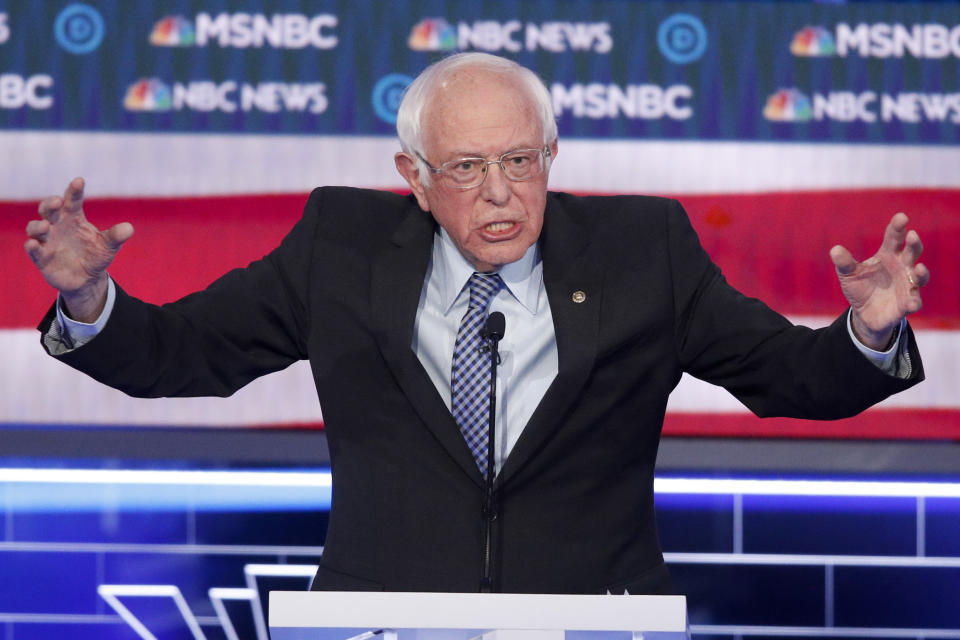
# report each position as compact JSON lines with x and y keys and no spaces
{"x":708,"y":486}
{"x":194,"y":478}
{"x":728,"y":486}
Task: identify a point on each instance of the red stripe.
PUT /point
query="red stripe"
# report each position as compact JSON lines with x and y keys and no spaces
{"x":873,"y":424}
{"x":773,"y":246}
{"x":180,"y":245}
{"x":776,"y":246}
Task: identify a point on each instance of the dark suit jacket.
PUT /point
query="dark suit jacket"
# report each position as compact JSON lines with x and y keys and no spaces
{"x":575,"y":497}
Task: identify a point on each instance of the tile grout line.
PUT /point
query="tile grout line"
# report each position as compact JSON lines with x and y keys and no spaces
{"x":8,"y":514}
{"x":101,"y":578}
{"x":921,"y":526}
{"x":738,"y":523}
{"x":828,"y":595}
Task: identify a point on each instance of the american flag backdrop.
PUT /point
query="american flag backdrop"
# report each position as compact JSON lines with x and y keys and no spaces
{"x":772,"y":177}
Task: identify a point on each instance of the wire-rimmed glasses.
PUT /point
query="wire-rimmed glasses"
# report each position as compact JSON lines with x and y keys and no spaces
{"x":518,"y":165}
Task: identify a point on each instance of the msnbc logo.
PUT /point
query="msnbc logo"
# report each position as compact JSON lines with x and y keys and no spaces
{"x":433,"y":34}
{"x":879,"y":40}
{"x":147,"y":94}
{"x":173,"y":31}
{"x":812,"y":42}
{"x":245,"y":30}
{"x":788,"y":105}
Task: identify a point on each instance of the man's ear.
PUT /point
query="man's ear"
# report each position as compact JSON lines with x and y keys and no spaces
{"x":407,"y":167}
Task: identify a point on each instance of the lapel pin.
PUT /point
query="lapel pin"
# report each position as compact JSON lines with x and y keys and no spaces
{"x":578,"y":296}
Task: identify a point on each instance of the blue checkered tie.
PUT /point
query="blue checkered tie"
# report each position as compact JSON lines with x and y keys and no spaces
{"x":470,"y":373}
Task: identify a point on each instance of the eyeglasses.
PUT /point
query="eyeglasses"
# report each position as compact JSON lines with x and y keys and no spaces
{"x":466,"y":173}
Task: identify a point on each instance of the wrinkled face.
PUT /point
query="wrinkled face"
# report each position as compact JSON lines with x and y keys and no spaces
{"x":481,"y":114}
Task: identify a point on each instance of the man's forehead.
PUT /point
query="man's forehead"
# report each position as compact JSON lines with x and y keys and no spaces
{"x":465,"y":85}
{"x":463,"y":109}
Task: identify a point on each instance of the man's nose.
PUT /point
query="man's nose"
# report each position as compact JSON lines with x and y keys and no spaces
{"x":496,"y":185}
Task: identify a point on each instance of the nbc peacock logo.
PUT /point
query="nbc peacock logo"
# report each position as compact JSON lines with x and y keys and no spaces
{"x":433,"y":34}
{"x":788,"y":105}
{"x":173,"y":31}
{"x":148,"y":94}
{"x":813,"y":42}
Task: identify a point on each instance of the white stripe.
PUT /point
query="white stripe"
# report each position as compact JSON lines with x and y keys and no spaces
{"x":627,"y":166}
{"x":135,"y":164}
{"x":940,"y":351}
{"x":181,"y":164}
{"x":35,"y":388}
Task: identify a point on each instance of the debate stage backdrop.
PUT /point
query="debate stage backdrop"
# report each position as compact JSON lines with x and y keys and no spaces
{"x":784,"y":128}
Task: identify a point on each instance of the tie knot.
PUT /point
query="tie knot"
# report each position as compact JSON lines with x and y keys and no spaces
{"x":483,"y":286}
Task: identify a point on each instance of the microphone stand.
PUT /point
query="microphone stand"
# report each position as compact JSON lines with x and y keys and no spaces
{"x":493,"y":332}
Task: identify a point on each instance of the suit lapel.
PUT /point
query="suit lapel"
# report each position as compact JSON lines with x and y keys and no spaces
{"x":396,"y":282}
{"x":574,"y":288}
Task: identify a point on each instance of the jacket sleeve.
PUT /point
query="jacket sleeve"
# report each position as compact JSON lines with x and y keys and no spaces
{"x":249,"y":322}
{"x":770,"y":365}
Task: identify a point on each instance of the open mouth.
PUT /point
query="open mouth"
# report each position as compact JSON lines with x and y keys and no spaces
{"x":499,"y":227}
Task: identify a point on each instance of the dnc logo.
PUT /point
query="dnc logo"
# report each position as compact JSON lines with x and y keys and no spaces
{"x":173,"y":31}
{"x":433,"y":34}
{"x":813,"y":42}
{"x":148,"y":94}
{"x":788,"y":105}
{"x":387,"y":95}
{"x":79,"y":28}
{"x":682,"y":38}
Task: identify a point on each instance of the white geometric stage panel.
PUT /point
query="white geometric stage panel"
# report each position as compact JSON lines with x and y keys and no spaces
{"x":158,"y":606}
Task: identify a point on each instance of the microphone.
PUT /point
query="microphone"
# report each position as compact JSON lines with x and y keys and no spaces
{"x":495,"y":327}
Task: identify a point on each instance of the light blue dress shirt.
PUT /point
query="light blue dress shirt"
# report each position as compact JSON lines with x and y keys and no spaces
{"x":528,"y":350}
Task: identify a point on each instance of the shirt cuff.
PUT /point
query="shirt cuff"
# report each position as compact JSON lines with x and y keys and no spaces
{"x":886,"y":361}
{"x":74,"y":334}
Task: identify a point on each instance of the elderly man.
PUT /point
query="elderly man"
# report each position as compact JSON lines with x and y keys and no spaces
{"x":607,"y":301}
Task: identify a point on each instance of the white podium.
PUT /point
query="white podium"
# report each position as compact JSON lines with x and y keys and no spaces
{"x":337,"y":615}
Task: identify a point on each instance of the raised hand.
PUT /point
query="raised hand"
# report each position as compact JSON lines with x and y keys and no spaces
{"x":72,"y":254}
{"x":883,"y":289}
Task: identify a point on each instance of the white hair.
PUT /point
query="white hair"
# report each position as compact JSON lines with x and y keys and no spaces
{"x":419,"y":93}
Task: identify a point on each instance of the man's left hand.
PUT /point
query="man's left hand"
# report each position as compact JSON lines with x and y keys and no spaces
{"x":883,"y":289}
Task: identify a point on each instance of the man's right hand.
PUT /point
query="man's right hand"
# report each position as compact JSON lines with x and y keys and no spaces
{"x":72,"y":254}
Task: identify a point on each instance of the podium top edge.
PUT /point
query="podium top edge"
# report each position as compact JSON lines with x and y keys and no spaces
{"x":419,"y":610}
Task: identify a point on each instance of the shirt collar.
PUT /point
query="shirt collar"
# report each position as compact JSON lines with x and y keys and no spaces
{"x":523,"y":278}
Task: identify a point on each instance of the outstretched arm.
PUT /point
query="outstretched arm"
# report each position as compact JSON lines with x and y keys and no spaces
{"x":72,"y":254}
{"x":883,"y":289}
